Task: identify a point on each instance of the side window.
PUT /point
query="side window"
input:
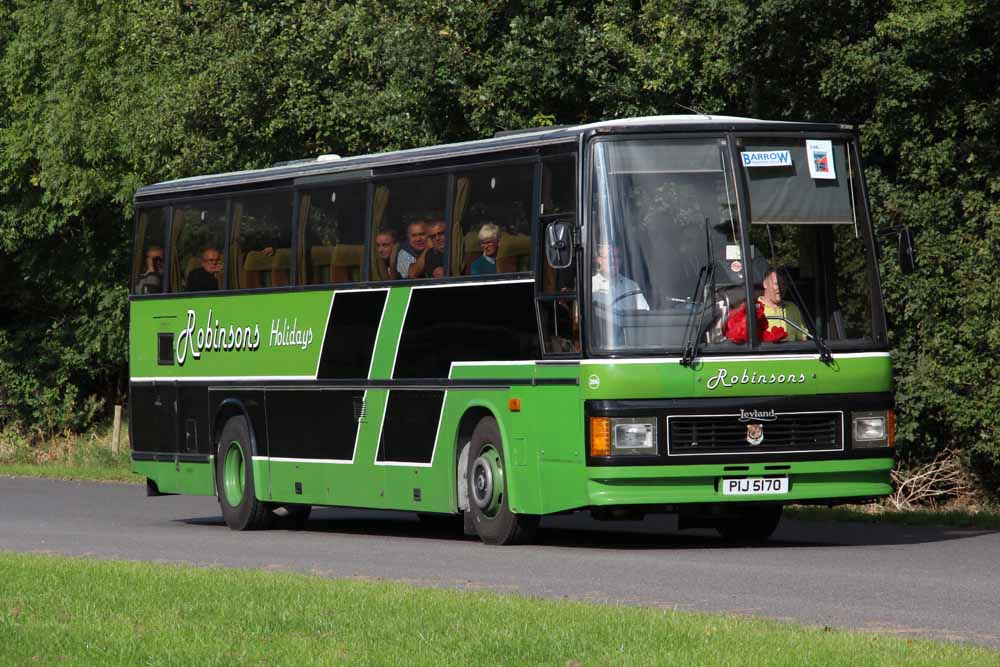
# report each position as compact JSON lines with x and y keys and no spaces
{"x":260,"y":245}
{"x":332,"y":234}
{"x":491,"y":220}
{"x":408,"y":228}
{"x":198,"y":236}
{"x":148,"y":276}
{"x":558,"y":305}
{"x":558,"y":204}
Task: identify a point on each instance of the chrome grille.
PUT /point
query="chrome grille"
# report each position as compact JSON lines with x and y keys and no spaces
{"x":726,"y":434}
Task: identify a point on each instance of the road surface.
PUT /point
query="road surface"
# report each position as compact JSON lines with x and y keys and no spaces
{"x":912,"y":581}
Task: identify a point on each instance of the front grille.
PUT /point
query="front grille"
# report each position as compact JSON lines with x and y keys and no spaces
{"x":726,"y":434}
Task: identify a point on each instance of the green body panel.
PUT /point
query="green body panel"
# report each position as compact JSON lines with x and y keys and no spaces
{"x":194,"y":479}
{"x":791,"y":377}
{"x":286,"y":335}
{"x":544,"y":442}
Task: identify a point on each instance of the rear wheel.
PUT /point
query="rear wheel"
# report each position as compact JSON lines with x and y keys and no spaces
{"x":751,"y":525}
{"x":492,"y":518}
{"x":234,"y":480}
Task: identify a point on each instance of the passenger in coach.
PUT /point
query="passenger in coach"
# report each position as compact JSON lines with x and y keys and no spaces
{"x":151,"y":280}
{"x":430,"y":263}
{"x":780,"y":313}
{"x":384,"y":241}
{"x":410,"y":249}
{"x":208,"y":276}
{"x":489,"y":241}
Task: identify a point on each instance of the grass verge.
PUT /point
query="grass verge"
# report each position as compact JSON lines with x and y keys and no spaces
{"x":984,"y":518}
{"x":68,"y":611}
{"x":86,"y":456}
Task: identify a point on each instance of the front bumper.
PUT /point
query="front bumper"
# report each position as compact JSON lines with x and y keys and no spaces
{"x":831,"y":480}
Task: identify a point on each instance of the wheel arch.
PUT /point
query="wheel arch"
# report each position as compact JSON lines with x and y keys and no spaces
{"x":228,"y":408}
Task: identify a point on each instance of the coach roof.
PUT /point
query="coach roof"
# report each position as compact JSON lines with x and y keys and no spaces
{"x":325,"y":165}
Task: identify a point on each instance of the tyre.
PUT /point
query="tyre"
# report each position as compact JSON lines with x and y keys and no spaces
{"x":234,"y":480}
{"x":488,"y":499}
{"x":751,"y":525}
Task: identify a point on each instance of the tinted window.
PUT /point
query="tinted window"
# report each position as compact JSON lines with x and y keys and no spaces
{"x":558,"y":204}
{"x":332,"y":229}
{"x":491,"y":216}
{"x":148,"y":275}
{"x":261,"y":247}
{"x":198,"y":240}
{"x":406,"y":210}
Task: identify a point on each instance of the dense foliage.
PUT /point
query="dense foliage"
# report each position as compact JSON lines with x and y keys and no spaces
{"x":97,"y":98}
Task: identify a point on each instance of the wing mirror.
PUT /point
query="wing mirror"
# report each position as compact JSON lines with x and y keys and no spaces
{"x":904,"y":245}
{"x":907,"y":253}
{"x":559,"y":245}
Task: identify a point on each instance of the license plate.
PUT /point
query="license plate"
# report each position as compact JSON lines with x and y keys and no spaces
{"x":754,"y":486}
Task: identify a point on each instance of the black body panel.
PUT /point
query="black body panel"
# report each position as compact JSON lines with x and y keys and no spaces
{"x":410,"y":426}
{"x":313,"y":423}
{"x":152,"y":416}
{"x":492,"y":322}
{"x":350,"y":334}
{"x":812,"y":428}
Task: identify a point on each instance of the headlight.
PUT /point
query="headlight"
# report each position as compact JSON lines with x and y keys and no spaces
{"x":623,"y":436}
{"x":872,"y":429}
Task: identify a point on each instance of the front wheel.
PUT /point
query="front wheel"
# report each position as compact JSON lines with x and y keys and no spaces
{"x":752,"y":525}
{"x":492,"y":518}
{"x":234,"y":480}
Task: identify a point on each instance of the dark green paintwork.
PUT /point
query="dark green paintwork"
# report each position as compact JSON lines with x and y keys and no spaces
{"x":546,"y":467}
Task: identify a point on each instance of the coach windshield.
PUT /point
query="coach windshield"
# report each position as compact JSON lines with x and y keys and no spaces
{"x":670,"y":271}
{"x":665,"y":243}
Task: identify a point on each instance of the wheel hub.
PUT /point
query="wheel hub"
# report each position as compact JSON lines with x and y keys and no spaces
{"x":482,"y":483}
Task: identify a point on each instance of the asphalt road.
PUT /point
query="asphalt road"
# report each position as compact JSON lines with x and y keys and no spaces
{"x":929,"y":582}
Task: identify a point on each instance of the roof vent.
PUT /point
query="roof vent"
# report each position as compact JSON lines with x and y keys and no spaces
{"x":328,"y":157}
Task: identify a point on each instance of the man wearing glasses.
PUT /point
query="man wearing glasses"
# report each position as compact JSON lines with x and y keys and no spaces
{"x":208,"y":276}
{"x":433,"y":258}
{"x":489,"y":241}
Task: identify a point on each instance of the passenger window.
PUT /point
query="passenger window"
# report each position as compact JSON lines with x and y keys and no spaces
{"x":332,"y":233}
{"x":558,"y":303}
{"x":491,"y":221}
{"x":261,"y":241}
{"x":560,"y":322}
{"x":148,"y":276}
{"x":198,"y":236}
{"x":559,"y":185}
{"x":408,"y":229}
{"x":558,"y":203}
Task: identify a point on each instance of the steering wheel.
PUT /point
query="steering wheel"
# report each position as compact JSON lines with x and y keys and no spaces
{"x":626,"y":295}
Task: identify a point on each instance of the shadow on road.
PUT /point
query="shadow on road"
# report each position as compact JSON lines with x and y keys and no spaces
{"x":580,"y":531}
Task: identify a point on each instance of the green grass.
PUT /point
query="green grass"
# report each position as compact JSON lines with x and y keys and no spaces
{"x":985,"y":518}
{"x":68,"y":471}
{"x":86,"y":456}
{"x":80,"y":612}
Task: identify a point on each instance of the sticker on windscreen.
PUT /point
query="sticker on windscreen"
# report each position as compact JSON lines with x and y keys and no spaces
{"x":766,"y":158}
{"x":820,"y":154}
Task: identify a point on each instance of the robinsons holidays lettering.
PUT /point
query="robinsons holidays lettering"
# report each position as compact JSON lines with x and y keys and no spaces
{"x":213,"y":336}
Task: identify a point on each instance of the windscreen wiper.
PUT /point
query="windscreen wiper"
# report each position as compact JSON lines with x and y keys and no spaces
{"x":706,"y":276}
{"x":691,"y":342}
{"x":825,"y":354}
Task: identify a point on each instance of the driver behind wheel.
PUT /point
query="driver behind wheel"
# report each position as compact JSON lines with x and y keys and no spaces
{"x":609,"y":286}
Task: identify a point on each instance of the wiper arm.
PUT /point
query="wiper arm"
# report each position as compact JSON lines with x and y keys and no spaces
{"x":691,"y":332}
{"x":825,"y":354}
